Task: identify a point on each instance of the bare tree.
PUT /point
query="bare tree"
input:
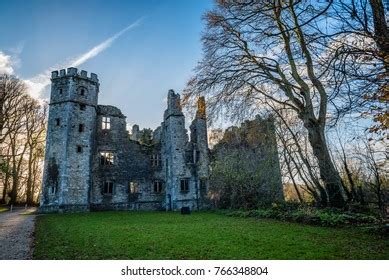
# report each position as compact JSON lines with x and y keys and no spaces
{"x":297,"y":160}
{"x":377,"y":180}
{"x":23,"y":122}
{"x":358,"y":58}
{"x":266,"y":49}
{"x":18,"y":143}
{"x":11,"y":92}
{"x":35,"y":132}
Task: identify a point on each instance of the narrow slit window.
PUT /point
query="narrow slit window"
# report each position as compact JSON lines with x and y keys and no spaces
{"x":81,"y":127}
{"x":79,"y":149}
{"x":57,"y":122}
{"x":82,"y":92}
{"x":157,"y":186}
{"x":60,"y":91}
{"x":108,"y":187}
{"x":184,"y":185}
{"x":106,"y":123}
{"x":82,"y":107}
{"x":53,"y":189}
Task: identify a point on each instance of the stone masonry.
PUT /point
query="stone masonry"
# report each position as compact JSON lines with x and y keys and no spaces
{"x":93,"y":163}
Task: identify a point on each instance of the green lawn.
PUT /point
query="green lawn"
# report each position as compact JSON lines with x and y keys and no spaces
{"x":3,"y":209}
{"x":160,"y":235}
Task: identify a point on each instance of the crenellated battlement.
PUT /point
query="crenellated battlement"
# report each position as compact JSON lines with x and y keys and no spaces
{"x":72,"y":71}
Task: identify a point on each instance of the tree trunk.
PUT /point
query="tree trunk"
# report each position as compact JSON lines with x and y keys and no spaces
{"x":15,"y":183}
{"x":5,"y":187}
{"x":29,"y":178}
{"x":14,"y":191}
{"x":2,"y":199}
{"x":351,"y":195}
{"x":2,"y":93}
{"x":381,"y":30}
{"x":6,"y":180}
{"x":380,"y":197}
{"x":34,"y":172}
{"x":328,"y":173}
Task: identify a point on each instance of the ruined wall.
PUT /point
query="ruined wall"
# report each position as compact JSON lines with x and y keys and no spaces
{"x":174,"y":141}
{"x":131,"y":163}
{"x":245,"y":166}
{"x":199,"y":142}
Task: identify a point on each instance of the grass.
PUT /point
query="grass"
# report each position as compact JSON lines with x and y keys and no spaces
{"x":160,"y":235}
{"x":3,"y":209}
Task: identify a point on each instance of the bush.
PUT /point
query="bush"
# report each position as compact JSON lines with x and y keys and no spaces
{"x":307,"y":215}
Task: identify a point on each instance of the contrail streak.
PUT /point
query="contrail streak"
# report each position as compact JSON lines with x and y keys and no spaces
{"x":104,"y":45}
{"x":38,"y":83}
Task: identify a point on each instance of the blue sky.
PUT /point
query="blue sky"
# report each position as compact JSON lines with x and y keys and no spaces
{"x":136,"y":70}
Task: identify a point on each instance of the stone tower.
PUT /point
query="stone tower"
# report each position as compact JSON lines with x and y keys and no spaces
{"x":70,"y":141}
{"x":174,"y":144}
{"x":199,"y":141}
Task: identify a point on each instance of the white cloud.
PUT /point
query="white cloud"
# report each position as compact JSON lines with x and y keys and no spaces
{"x":38,"y":83}
{"x":6,"y":64}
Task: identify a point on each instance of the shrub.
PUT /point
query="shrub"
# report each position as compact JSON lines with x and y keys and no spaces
{"x":307,"y":215}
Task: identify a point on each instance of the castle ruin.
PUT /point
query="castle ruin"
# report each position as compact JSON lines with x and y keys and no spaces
{"x":92,"y":163}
